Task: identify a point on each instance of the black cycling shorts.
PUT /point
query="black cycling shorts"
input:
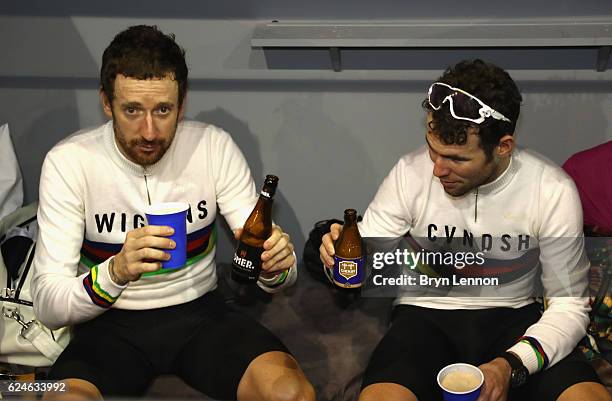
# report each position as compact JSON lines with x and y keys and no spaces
{"x":421,"y":341}
{"x":205,"y":342}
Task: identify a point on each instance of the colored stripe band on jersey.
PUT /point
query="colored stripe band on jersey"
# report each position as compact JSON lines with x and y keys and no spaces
{"x":95,"y":292}
{"x":506,"y":270}
{"x":199,"y":244}
{"x":280,"y":279}
{"x":539,"y":351}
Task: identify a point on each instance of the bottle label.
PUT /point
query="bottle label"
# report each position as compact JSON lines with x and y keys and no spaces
{"x":247,"y":262}
{"x":349,"y":272}
{"x":266,"y":194}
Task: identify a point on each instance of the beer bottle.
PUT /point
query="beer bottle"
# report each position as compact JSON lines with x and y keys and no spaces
{"x":349,"y":264}
{"x":246,"y":265}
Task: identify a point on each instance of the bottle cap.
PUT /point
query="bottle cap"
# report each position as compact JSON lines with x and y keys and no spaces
{"x":271,"y":179}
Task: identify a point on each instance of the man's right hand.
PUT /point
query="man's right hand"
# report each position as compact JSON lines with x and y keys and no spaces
{"x":496,"y":380}
{"x":326,"y":250}
{"x":142,"y":252}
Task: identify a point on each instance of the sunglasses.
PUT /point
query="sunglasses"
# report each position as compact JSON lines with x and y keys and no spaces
{"x":463,"y":106}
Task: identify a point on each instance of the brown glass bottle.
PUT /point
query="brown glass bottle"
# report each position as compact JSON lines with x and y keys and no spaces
{"x":246,"y":265}
{"x":349,"y":266}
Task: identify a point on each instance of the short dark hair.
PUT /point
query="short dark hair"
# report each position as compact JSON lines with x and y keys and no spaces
{"x":495,"y":88}
{"x":143,"y":52}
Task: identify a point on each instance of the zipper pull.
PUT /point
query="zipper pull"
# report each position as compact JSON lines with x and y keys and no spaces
{"x":147,"y":185}
{"x":476,"y":206}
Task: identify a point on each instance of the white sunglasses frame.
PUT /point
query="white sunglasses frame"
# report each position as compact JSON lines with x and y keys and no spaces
{"x":484,"y":111}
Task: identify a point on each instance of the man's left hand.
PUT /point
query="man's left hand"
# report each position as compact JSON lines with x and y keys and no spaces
{"x":278,"y":252}
{"x":496,"y":380}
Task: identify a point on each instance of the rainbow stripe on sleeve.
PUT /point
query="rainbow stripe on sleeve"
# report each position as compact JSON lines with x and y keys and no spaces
{"x":199,"y":244}
{"x":95,"y":292}
{"x":537,"y":348}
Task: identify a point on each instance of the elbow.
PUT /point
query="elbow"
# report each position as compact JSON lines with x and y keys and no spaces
{"x":41,"y":301}
{"x":44,"y":318}
{"x":43,"y":315}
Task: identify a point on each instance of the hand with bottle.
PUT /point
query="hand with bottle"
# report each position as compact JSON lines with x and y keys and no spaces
{"x":277,"y":254}
{"x":263,"y":248}
{"x":327,"y":251}
{"x":342,"y":250}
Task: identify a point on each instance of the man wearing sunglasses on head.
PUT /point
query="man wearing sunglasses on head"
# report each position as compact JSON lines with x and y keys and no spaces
{"x":471,"y":180}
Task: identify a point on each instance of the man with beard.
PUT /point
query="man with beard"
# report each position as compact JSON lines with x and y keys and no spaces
{"x":470,"y":181}
{"x":98,"y":266}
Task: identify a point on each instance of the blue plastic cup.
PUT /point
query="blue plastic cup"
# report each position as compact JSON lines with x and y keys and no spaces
{"x":460,"y":382}
{"x":172,"y":214}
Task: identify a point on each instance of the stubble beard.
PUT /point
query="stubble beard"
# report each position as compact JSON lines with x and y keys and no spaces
{"x":130,"y":149}
{"x":485,"y":179}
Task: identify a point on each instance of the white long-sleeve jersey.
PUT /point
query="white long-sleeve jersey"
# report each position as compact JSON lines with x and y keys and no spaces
{"x":91,"y":196}
{"x":532,"y":207}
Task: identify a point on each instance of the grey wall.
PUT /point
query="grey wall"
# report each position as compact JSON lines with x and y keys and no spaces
{"x":331,"y":137}
{"x":313,"y":9}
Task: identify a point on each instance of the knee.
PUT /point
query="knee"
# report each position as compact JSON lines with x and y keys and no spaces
{"x":76,"y":390}
{"x":586,"y":391}
{"x":275,"y":376}
{"x":291,"y":389}
{"x":387,"y":391}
